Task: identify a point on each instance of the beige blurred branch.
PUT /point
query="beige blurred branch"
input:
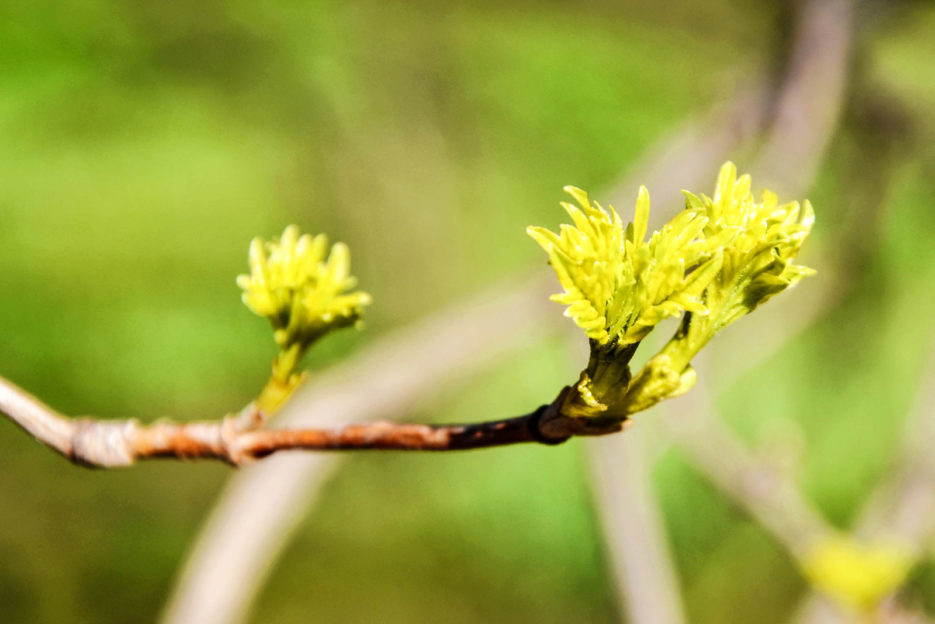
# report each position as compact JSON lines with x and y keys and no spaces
{"x":765,"y":492}
{"x":903,"y":507}
{"x":756,"y":483}
{"x":641,"y":564}
{"x":645,"y":578}
{"x":809,"y":105}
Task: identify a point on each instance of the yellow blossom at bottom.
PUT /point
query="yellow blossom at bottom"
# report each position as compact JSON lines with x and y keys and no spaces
{"x":855,"y":574}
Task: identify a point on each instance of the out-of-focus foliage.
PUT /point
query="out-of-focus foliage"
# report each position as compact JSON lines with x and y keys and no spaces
{"x":144,"y":143}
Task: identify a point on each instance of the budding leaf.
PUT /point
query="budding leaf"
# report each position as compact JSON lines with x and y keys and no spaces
{"x":303,"y":289}
{"x":712,"y":263}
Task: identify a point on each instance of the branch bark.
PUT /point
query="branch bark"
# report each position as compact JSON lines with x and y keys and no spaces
{"x":115,"y":443}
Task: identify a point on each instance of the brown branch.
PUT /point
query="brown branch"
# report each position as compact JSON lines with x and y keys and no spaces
{"x":544,"y":425}
{"x":408,"y":363}
{"x":113,"y":443}
{"x":387,"y":435}
{"x":234,"y":439}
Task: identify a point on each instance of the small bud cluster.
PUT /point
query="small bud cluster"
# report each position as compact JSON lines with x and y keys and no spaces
{"x":304,"y":291}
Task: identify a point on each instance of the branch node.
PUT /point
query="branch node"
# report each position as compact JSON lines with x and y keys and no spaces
{"x":231,"y":438}
{"x":543,"y":415}
{"x":103,"y":443}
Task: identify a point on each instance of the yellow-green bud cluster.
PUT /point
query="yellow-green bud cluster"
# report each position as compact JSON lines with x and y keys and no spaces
{"x":302,"y":291}
{"x":714,"y":262}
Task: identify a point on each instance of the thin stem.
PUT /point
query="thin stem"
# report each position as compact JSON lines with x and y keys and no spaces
{"x":387,"y":435}
{"x":237,"y":440}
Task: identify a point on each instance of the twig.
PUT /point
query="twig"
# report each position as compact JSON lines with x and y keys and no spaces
{"x":36,"y":418}
{"x":113,"y":443}
{"x":109,"y":444}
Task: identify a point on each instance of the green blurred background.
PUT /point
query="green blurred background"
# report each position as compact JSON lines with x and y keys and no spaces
{"x":142,"y":145}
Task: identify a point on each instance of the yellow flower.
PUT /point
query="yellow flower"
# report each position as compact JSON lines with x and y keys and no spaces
{"x":857,"y":575}
{"x":302,"y":293}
